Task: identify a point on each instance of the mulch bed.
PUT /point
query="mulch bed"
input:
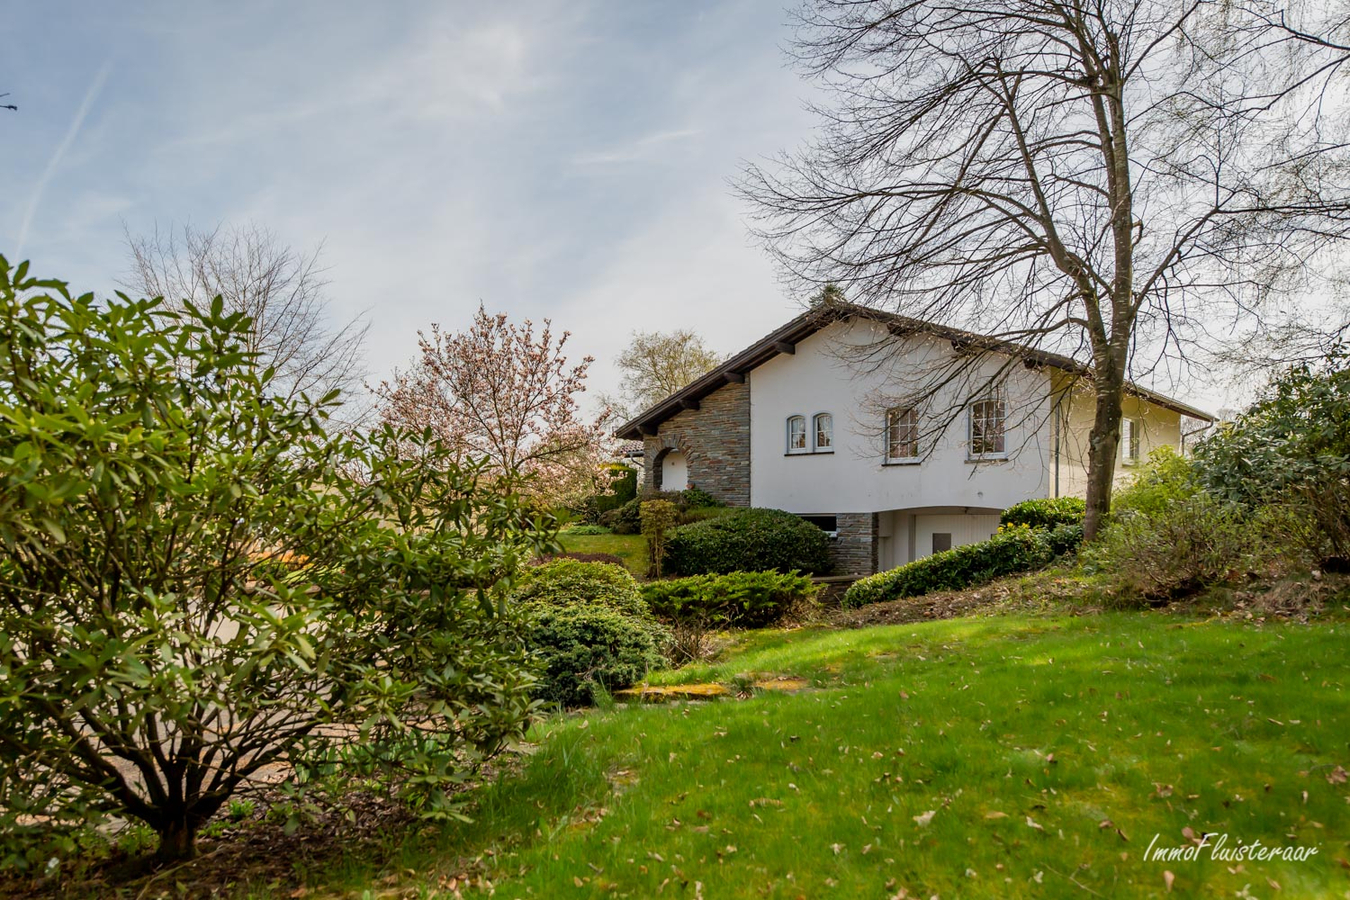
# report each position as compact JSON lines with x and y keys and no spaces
{"x":255,"y":851}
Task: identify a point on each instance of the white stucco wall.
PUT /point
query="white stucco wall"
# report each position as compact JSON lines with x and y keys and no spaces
{"x":822,"y":376}
{"x":1157,"y":427}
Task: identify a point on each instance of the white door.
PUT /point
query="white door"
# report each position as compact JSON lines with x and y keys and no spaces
{"x":674,"y":472}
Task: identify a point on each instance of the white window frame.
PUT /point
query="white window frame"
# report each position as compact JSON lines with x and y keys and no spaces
{"x":805,"y":447}
{"x":828,"y":446}
{"x":1129,"y":441}
{"x":912,"y":426}
{"x":1001,"y":419}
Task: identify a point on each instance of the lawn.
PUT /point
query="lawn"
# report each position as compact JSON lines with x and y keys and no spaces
{"x":631,"y":548}
{"x":999,"y":757}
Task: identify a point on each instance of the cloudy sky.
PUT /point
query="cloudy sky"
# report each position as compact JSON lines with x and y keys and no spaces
{"x":568,"y":160}
{"x":564,"y":160}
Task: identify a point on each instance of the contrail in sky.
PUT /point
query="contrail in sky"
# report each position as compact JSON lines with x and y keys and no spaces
{"x":75,"y":124}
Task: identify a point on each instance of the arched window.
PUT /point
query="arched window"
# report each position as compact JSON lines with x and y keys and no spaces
{"x":796,"y":434}
{"x":902,"y":435}
{"x":823,"y":425}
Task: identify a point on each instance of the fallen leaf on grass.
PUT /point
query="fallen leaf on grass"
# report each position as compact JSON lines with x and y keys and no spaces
{"x":1168,"y":878}
{"x":923,"y":820}
{"x":1032,"y":823}
{"x":996,"y":815}
{"x":1337,"y":775}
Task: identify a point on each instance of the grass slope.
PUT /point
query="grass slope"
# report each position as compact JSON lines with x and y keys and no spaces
{"x":1044,"y":755}
{"x":631,"y":548}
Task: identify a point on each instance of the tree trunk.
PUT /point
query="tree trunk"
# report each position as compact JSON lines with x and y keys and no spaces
{"x":177,"y":840}
{"x":1103,"y":442}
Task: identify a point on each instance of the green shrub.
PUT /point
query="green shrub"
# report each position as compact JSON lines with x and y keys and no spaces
{"x":748,"y":540}
{"x":1292,"y":448}
{"x":565,"y":582}
{"x":581,"y":557}
{"x":585,"y":646}
{"x":589,"y":626}
{"x":658,"y":517}
{"x":1186,"y":546}
{"x":1012,"y":550}
{"x":1045,"y":513}
{"x":201,"y":575}
{"x":737,"y":599}
{"x":1166,"y":478}
{"x":693,"y":497}
{"x":627,"y":519}
{"x":703,"y":513}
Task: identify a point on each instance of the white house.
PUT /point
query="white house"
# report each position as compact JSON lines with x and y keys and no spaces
{"x":808,"y":420}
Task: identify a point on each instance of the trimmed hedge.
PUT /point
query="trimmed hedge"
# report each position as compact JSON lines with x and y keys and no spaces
{"x":739,"y":599}
{"x":583,"y":646}
{"x":1045,"y":513}
{"x":1012,"y":550}
{"x":748,"y":540}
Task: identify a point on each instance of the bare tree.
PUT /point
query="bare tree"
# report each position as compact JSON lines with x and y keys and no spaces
{"x":1100,"y":179}
{"x":281,"y":289}
{"x":656,"y":364}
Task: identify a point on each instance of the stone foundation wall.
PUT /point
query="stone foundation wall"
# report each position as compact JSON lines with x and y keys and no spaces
{"x":854,"y":552}
{"x":715,"y":441}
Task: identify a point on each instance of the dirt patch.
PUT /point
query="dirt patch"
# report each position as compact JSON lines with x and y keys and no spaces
{"x":941,"y":605}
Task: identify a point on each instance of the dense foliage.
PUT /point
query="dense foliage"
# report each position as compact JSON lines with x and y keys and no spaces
{"x":1045,"y":513}
{"x":589,"y":627}
{"x":589,"y":645}
{"x":620,"y":489}
{"x":1165,"y":479}
{"x":197,"y":581}
{"x":693,"y":504}
{"x":748,"y":540}
{"x":737,"y":599}
{"x":1291,"y":448}
{"x":565,"y":581}
{"x":1160,"y":555}
{"x":626,"y":519}
{"x":658,"y":517}
{"x":1012,"y":550}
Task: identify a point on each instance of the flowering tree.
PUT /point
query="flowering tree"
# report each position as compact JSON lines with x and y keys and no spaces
{"x":502,"y":393}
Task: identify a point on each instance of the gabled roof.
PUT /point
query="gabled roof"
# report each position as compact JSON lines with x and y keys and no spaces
{"x":785,"y":339}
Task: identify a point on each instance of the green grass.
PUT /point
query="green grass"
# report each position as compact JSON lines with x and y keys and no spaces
{"x":1149,"y":722}
{"x":631,"y":548}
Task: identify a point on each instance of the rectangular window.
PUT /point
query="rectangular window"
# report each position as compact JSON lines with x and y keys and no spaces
{"x":942,"y":541}
{"x":796,"y":435}
{"x":986,"y":429}
{"x":1129,"y":441}
{"x":902,"y":435}
{"x":824,"y":431}
{"x":827,"y":524}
